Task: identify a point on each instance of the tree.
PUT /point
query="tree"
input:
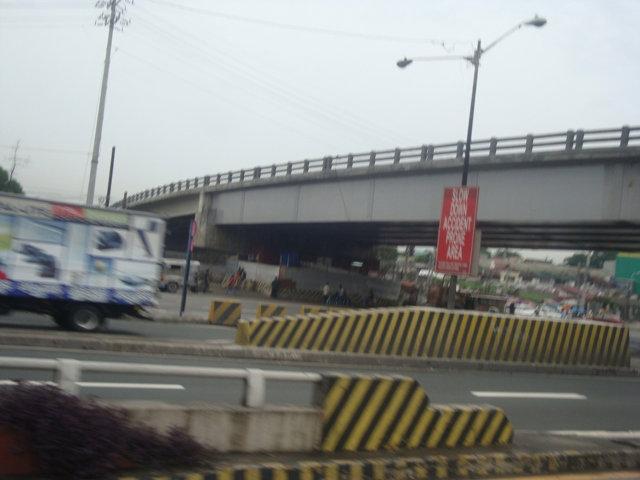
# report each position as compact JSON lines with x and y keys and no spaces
{"x":425,"y":257}
{"x":6,"y":185}
{"x":386,"y":253}
{"x":597,"y":259}
{"x":506,"y":253}
{"x":576,"y":260}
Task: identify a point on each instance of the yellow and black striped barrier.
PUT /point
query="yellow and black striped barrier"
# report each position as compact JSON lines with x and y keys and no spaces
{"x":457,"y":465}
{"x":224,"y":312}
{"x":270,"y":310}
{"x":388,"y":413}
{"x":306,"y":309}
{"x":439,"y":333}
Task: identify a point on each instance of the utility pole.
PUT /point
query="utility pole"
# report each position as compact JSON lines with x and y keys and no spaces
{"x":113,"y":156}
{"x":116,"y":10}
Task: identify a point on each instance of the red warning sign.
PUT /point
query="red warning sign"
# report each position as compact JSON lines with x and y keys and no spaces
{"x":456,"y":232}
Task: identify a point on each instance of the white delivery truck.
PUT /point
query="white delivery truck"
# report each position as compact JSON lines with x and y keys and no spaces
{"x":78,"y":264}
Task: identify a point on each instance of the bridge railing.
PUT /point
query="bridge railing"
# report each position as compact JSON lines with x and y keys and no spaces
{"x":569,"y":141}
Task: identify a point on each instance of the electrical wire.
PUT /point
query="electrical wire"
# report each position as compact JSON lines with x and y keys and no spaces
{"x":221,"y":99}
{"x":308,"y":29}
{"x":271,"y":82}
{"x":320,"y":119}
{"x":49,"y":150}
{"x":278,"y":93}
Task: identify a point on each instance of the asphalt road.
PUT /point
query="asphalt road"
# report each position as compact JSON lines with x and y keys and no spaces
{"x":542,"y":402}
{"x":132,"y":328}
{"x":197,"y":304}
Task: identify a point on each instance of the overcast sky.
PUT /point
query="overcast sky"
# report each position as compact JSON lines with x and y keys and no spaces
{"x":196,"y":88}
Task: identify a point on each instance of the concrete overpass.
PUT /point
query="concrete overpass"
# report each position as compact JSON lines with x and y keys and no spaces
{"x":575,"y":190}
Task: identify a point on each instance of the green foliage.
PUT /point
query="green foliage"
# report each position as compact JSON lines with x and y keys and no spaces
{"x":506,"y":253}
{"x":426,"y":257}
{"x":575,"y":260}
{"x":534,"y":295}
{"x":597,"y":259}
{"x":10,"y":186}
{"x":386,"y":253}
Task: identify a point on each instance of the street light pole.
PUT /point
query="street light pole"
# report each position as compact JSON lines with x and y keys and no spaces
{"x":451,"y":298}
{"x":475,"y":61}
{"x":472,"y":108}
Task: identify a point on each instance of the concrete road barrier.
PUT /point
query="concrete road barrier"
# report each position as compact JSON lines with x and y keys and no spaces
{"x":270,"y":310}
{"x":233,"y":429}
{"x":371,"y":413}
{"x":306,"y":309}
{"x":439,"y":333}
{"x":477,"y":465}
{"x":224,"y":312}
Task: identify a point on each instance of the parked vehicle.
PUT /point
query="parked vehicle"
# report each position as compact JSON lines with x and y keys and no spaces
{"x":78,"y":264}
{"x":172,"y":276}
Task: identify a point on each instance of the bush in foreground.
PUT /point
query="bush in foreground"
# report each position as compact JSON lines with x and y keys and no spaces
{"x":73,"y":437}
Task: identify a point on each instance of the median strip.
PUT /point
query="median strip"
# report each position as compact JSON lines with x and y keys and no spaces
{"x":126,"y":344}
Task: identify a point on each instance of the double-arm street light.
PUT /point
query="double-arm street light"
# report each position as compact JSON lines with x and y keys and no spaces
{"x":475,"y":61}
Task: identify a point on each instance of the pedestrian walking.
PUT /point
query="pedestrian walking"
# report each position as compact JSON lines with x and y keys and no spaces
{"x":205,"y":281}
{"x":512,"y":308}
{"x":274,"y":287}
{"x":342,"y":295}
{"x":370,"y":300}
{"x":326,"y":292}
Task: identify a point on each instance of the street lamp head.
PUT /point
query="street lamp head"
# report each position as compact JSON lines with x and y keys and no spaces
{"x":536,"y":22}
{"x":405,"y":62}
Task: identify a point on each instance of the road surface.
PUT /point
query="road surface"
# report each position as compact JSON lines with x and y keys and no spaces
{"x":532,"y":401}
{"x":197,"y":304}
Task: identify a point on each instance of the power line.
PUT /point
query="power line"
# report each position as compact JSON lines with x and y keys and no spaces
{"x":274,"y":84}
{"x":48,"y":150}
{"x":310,"y":29}
{"x":222,"y":99}
{"x":276,"y":95}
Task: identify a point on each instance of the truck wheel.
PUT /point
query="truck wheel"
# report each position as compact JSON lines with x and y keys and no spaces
{"x":172,"y":287}
{"x":84,"y":318}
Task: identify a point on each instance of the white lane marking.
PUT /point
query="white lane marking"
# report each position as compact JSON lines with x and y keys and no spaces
{"x":624,"y":434}
{"x":30,"y":382}
{"x":140,"y":386}
{"x":535,"y":395}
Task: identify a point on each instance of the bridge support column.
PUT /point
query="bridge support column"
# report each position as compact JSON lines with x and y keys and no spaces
{"x":211,"y":237}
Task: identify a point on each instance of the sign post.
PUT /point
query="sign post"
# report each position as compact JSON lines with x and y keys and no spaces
{"x":457,"y":231}
{"x":187,"y":266}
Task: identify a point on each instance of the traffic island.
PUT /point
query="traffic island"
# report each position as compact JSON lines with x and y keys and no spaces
{"x":531,"y":454}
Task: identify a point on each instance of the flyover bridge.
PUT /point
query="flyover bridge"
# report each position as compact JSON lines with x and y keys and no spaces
{"x":578,"y":189}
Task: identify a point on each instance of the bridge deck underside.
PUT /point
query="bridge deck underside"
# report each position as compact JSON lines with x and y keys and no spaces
{"x":618,"y":236}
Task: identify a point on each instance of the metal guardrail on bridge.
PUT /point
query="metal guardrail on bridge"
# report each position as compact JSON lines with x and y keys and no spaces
{"x":569,"y":141}
{"x":68,"y":372}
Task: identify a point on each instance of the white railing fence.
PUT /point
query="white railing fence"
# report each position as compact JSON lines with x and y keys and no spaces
{"x":68,"y":373}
